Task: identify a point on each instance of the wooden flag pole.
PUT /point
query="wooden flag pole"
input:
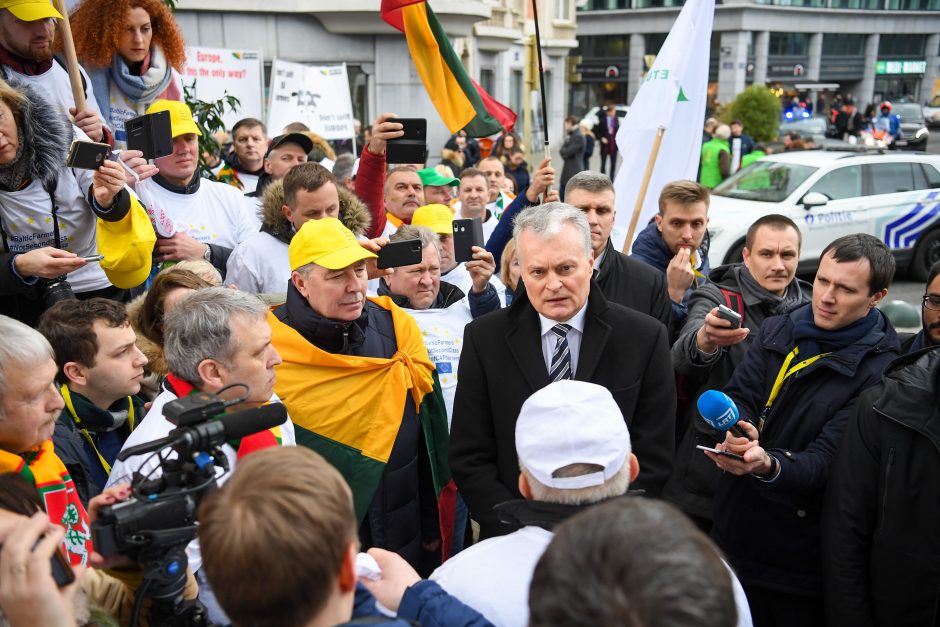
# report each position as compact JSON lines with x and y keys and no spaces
{"x":538,"y":52}
{"x":68,"y":44}
{"x":644,"y":186}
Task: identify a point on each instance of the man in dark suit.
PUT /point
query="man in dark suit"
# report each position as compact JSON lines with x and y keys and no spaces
{"x":606,"y":134}
{"x":561,"y":327}
{"x":625,"y":281}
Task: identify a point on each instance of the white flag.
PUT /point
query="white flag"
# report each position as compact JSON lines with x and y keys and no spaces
{"x":673,"y":96}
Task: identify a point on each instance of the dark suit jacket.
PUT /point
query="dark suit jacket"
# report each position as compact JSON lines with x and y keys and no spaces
{"x":501,"y":365}
{"x":635,"y":285}
{"x":601,"y":132}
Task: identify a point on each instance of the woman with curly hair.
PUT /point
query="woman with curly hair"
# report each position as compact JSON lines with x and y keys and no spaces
{"x":134,"y":52}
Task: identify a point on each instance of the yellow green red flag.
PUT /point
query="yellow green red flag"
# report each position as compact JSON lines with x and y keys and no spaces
{"x":460,"y":101}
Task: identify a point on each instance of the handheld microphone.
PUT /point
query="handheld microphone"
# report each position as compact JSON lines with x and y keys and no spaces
{"x":719,"y":411}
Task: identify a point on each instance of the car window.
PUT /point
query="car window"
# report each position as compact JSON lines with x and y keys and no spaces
{"x":933,"y":176}
{"x":765,"y":181}
{"x":889,"y":178}
{"x":841,"y":183}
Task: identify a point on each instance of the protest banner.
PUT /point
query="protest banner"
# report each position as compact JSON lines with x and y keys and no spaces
{"x":218,"y":70}
{"x":666,"y":113}
{"x":316,"y":95}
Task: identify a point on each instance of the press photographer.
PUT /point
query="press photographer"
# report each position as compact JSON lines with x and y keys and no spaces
{"x":49,"y":211}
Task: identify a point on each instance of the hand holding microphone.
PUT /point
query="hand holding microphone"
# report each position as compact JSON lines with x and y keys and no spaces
{"x":719,"y":411}
{"x":739,"y":458}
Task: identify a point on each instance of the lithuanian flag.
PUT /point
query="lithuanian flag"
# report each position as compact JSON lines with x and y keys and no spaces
{"x":349,"y":409}
{"x":460,"y":101}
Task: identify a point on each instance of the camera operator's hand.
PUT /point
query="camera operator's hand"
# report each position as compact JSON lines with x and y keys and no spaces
{"x":180,"y":247}
{"x":757,"y":461}
{"x":717,"y":332}
{"x":372,"y":265}
{"x":397,"y":576}
{"x":28,"y":593}
{"x":542,"y":179}
{"x":46,"y":263}
{"x":481,"y":269}
{"x":382,"y":131}
{"x":108,"y":181}
{"x":134,"y":159}
{"x":110,"y":496}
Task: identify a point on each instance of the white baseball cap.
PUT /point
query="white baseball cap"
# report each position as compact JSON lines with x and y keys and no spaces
{"x":572,"y":422}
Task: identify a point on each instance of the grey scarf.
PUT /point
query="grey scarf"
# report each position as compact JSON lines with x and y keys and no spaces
{"x":778,"y":304}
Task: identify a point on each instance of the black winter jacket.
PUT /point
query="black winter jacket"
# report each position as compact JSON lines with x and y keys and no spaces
{"x":404,"y":509}
{"x":634,"y":284}
{"x":771,"y":530}
{"x":694,"y":476}
{"x":880,"y":539}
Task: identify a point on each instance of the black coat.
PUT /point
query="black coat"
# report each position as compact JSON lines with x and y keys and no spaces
{"x":771,"y":530}
{"x":601,"y":132}
{"x":502,"y":364}
{"x":634,"y":284}
{"x":880,"y":539}
{"x":572,"y":152}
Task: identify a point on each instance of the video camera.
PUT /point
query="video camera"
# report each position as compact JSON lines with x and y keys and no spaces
{"x":154,"y":526}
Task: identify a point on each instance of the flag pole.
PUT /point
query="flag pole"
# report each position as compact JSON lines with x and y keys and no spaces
{"x":644,"y":186}
{"x":538,"y":53}
{"x":71,"y":59}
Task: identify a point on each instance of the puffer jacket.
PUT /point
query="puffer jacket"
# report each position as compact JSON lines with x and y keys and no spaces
{"x":692,"y":484}
{"x":770,"y":530}
{"x":881,"y":546}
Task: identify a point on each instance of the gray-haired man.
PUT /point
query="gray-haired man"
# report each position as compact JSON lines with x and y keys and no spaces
{"x":215,"y":338}
{"x":561,"y":328}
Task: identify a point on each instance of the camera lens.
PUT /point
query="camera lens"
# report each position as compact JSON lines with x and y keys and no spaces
{"x":54,"y":290}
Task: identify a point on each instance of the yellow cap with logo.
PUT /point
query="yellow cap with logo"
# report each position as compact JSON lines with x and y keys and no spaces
{"x":30,"y":10}
{"x":438,"y":218}
{"x":327,"y":243}
{"x":181,"y":118}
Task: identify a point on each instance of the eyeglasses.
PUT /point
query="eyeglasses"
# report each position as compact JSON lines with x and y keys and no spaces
{"x":932,"y":301}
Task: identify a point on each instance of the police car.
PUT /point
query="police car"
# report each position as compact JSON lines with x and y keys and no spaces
{"x":894,"y":196}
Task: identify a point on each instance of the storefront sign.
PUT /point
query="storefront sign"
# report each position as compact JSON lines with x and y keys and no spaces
{"x":900,"y":67}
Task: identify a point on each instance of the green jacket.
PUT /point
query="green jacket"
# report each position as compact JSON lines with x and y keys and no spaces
{"x":710,"y":173}
{"x":751,"y":157}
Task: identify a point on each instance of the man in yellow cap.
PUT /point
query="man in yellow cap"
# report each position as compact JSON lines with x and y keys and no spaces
{"x":364,"y":393}
{"x":199,"y":218}
{"x":27,"y":40}
{"x":440,"y":220}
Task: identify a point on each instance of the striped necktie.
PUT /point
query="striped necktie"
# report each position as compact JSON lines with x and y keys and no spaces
{"x":561,"y":359}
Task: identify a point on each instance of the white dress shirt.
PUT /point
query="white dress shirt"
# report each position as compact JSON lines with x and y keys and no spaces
{"x":549,"y":339}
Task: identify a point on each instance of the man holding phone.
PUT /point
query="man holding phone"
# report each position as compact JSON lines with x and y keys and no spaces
{"x":710,"y":347}
{"x":795,"y":389}
{"x":323,"y":331}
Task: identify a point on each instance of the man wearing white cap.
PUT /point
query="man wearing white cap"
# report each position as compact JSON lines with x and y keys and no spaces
{"x":574,"y":451}
{"x":27,"y":41}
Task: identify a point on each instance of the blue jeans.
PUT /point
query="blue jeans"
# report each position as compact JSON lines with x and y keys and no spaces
{"x":460,"y":525}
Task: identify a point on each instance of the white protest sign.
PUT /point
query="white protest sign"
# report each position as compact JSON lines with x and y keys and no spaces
{"x":442,"y":330}
{"x":218,"y":70}
{"x":317,"y":95}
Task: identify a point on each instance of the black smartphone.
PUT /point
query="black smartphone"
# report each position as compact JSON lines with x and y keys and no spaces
{"x":62,"y":572}
{"x":717,"y":452}
{"x":730,"y":315}
{"x":468,"y":233}
{"x":406,"y":252}
{"x":151,"y":134}
{"x":412,"y":147}
{"x":87,"y":155}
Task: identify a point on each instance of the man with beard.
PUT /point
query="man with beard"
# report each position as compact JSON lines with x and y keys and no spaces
{"x":929,"y":335}
{"x":27,"y":40}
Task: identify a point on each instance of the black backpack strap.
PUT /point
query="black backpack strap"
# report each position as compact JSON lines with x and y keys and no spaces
{"x":734,"y":301}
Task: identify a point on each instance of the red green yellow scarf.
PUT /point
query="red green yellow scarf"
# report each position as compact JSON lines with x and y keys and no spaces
{"x":43,"y":468}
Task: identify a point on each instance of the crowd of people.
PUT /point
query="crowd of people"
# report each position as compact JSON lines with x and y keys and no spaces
{"x":506,"y":433}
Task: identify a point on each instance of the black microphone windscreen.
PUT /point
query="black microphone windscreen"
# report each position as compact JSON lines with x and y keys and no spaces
{"x":247,"y":421}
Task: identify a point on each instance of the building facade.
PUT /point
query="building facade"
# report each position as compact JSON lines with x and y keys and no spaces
{"x":870,"y":49}
{"x":488,"y":35}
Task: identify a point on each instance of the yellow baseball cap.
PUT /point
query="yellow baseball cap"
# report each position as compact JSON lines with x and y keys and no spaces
{"x":127,"y":246}
{"x":438,"y":218}
{"x":30,"y":10}
{"x":181,"y":118}
{"x":326,"y":242}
